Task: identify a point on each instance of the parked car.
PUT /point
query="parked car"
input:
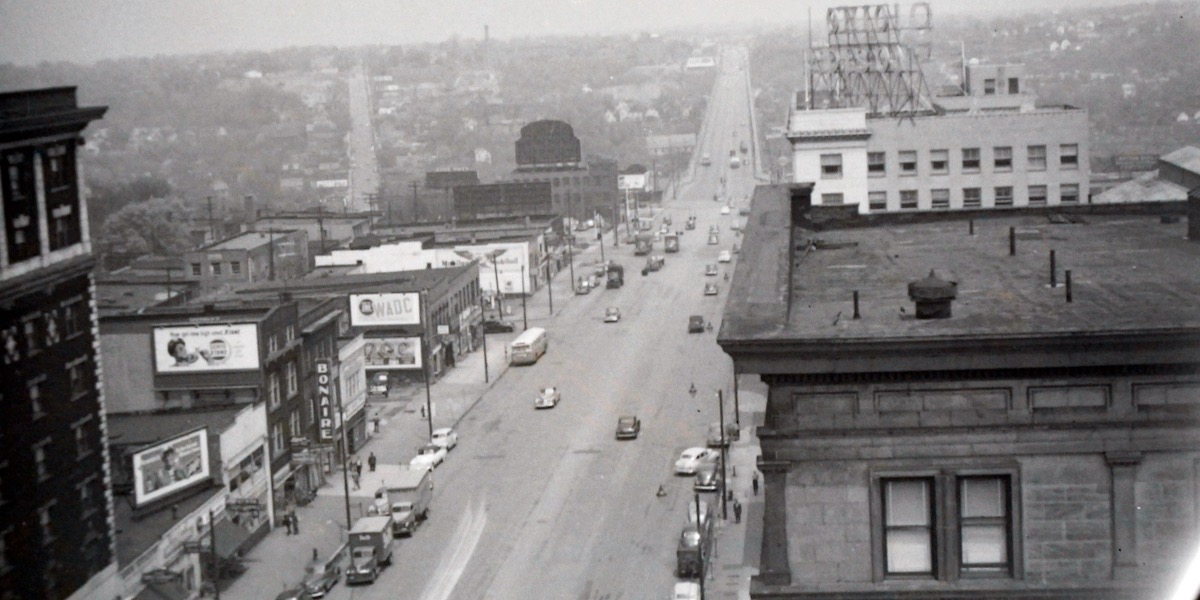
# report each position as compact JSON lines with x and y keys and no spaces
{"x":708,"y":477}
{"x":689,"y":460}
{"x":705,"y":514}
{"x":318,"y":580}
{"x":695,"y":324}
{"x":296,"y":593}
{"x":547,"y":398}
{"x":724,"y":256}
{"x":725,"y":210}
{"x":445,"y":437}
{"x":714,"y":229}
{"x":429,"y":455}
{"x":612,"y":314}
{"x":686,"y":590}
{"x":711,"y":289}
{"x":732,"y":434}
{"x":628,"y":427}
{"x":495,"y":326}
{"x":711,"y":270}
{"x":583,"y":285}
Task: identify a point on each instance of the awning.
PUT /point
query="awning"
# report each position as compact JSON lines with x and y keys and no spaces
{"x":230,"y":538}
{"x":171,"y":590}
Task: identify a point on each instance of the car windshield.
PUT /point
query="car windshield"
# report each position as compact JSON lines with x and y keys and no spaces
{"x":626,"y":422}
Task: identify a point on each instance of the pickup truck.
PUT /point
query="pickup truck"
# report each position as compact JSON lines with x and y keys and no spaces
{"x":404,"y":493}
{"x":370,"y":546}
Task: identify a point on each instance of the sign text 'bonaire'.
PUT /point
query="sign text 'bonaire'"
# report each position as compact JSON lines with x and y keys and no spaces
{"x":368,"y":310}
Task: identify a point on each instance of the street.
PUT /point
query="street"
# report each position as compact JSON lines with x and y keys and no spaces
{"x":364,"y":168}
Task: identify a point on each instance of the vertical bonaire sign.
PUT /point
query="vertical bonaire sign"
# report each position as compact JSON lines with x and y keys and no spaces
{"x":325,"y":399}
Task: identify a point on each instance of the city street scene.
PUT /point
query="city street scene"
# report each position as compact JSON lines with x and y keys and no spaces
{"x":526,"y":300}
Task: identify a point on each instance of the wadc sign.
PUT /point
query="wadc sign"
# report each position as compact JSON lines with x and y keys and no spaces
{"x":197,"y":348}
{"x":367,"y":310}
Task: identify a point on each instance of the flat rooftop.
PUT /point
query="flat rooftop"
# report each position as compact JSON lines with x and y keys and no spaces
{"x":1130,"y":273}
{"x":246,"y":241}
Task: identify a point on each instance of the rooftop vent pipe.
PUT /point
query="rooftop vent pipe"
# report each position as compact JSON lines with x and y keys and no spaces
{"x":933,"y":296}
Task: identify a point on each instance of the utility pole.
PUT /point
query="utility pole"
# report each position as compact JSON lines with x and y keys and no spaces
{"x":483,"y":335}
{"x":724,"y":454}
{"x":345,"y":461}
{"x":212,"y":224}
{"x":425,"y":358}
{"x":524,"y":312}
{"x":496,"y":273}
{"x":571,"y":258}
{"x":321,"y":228}
{"x":271,"y":256}
{"x":703,"y":557}
{"x":737,"y":410}
{"x":216,"y":565}
{"x":549,"y":287}
{"x":416,"y":204}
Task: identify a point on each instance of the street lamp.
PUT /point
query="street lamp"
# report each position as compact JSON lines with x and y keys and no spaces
{"x":549,"y":285}
{"x":425,"y":339}
{"x":724,"y":453}
{"x":483,"y":336}
{"x":703,"y":557}
{"x":524,"y":312}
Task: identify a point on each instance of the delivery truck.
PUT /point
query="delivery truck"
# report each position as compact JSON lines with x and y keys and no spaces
{"x":404,"y":493}
{"x":671,"y":243}
{"x":616,"y":276}
{"x":643,"y":244}
{"x":370,"y":548}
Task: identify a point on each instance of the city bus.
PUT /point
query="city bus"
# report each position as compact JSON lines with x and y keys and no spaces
{"x":528,"y":347}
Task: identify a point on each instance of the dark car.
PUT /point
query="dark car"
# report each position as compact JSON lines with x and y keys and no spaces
{"x":317,"y":582}
{"x":692,"y":550}
{"x":708,"y":477}
{"x":695,"y":324}
{"x":297,"y":593}
{"x":494,"y":326}
{"x":628,"y":427}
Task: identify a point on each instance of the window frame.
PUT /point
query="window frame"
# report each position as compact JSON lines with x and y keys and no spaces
{"x":972,"y":165}
{"x":1002,"y":159}
{"x":1068,"y":161}
{"x":831,"y":166}
{"x":974,"y":199}
{"x":939,"y":204}
{"x":876,"y":168}
{"x":939,"y":161}
{"x":216,"y":267}
{"x":996,"y":195}
{"x":1062,"y":195}
{"x":873,"y":201}
{"x":197,"y":269}
{"x":235,"y":267}
{"x":904,"y":169}
{"x":1035,"y":155}
{"x":989,"y":87}
{"x":274,"y":392}
{"x":833,"y":199}
{"x":1040,"y":200}
{"x":916,"y":200}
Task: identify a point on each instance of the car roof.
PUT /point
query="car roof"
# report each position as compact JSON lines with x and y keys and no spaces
{"x":626,"y":418}
{"x":694,"y":450}
{"x":443,"y":430}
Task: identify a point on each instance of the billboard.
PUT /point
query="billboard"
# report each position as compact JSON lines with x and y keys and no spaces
{"x":392,"y":353}
{"x":370,"y":310}
{"x":170,"y":466}
{"x":631,"y":181}
{"x":192,"y":348}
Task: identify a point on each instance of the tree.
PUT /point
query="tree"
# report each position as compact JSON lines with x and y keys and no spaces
{"x":156,"y":226}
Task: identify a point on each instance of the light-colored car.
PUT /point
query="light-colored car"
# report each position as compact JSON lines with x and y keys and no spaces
{"x":686,"y":590}
{"x":711,"y":289}
{"x":725,"y":256}
{"x":689,"y":460}
{"x":706,"y":512}
{"x":429,"y":455}
{"x":445,"y":437}
{"x":725,"y":210}
{"x":547,"y":398}
{"x":710,"y":270}
{"x":612,"y":314}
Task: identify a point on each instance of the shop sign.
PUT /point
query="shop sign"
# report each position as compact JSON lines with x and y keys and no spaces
{"x":325,"y":399}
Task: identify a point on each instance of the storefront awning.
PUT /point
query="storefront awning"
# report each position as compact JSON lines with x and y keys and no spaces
{"x":230,"y":538}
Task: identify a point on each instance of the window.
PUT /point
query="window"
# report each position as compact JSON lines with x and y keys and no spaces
{"x":1037,"y":158}
{"x":277,"y":439}
{"x":20,"y":205}
{"x":831,"y":166}
{"x":943,"y":524}
{"x":1068,"y":156}
{"x":83,"y":446}
{"x":939,"y":161}
{"x":87,"y":498}
{"x":235,"y":267}
{"x":195,"y":269}
{"x":33,"y":335}
{"x":908,"y":162}
{"x":940,"y":199}
{"x":984,"y":525}
{"x":272,"y":345}
{"x":39,"y":459}
{"x":45,"y":519}
{"x":908,"y":526}
{"x":972,"y":198}
{"x":876,"y":164}
{"x":989,"y":87}
{"x":273,"y":390}
{"x":1004,"y":196}
{"x":292,"y":386}
{"x":216,"y":268}
{"x":62,"y":199}
{"x":832,"y":199}
{"x":877,"y":201}
{"x":34,"y":388}
{"x":908,"y":199}
{"x":75,"y":317}
{"x":77,"y":377}
{"x":51,"y":326}
{"x":1037,"y":195}
{"x":289,"y":333}
{"x":1002,"y":156}
{"x":1014,"y":85}
{"x":970,"y":160}
{"x":294,"y":421}
{"x":1068,"y":193}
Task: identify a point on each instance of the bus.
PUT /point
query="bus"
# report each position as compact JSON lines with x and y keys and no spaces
{"x":528,"y":347}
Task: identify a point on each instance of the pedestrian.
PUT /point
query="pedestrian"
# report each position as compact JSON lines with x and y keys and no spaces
{"x":357,"y":468}
{"x":287,"y":522}
{"x":371,"y":462}
{"x":296,"y":524}
{"x":422,"y":411}
{"x":354,"y":477}
{"x":754,"y":483}
{"x":737,"y":511}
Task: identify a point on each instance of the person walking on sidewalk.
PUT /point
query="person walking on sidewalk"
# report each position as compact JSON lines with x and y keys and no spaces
{"x":754,"y":483}
{"x":371,"y":462}
{"x":296,"y":523}
{"x":737,"y":511}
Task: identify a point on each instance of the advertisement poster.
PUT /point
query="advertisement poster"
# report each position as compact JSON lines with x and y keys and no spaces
{"x":170,"y":466}
{"x":369,"y":310}
{"x":392,"y":353}
{"x":192,"y":348}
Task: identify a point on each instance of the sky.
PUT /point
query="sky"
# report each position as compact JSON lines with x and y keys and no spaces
{"x":84,"y":31}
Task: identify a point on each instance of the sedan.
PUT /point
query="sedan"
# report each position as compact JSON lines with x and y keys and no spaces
{"x":628,"y":427}
{"x":711,"y":289}
{"x":297,"y":593}
{"x":429,"y":455}
{"x":612,"y":314}
{"x":724,"y":210}
{"x":724,"y":256}
{"x":547,"y":398}
{"x":710,"y":270}
{"x":691,"y":459}
{"x":708,"y":478}
{"x":445,"y":437}
{"x":318,"y":582}
{"x":494,"y":326}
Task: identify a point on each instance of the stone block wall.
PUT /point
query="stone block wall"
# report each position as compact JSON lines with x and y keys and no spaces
{"x":829,"y":523}
{"x":1067,"y":518}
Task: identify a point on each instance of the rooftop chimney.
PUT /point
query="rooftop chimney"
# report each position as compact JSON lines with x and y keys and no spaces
{"x":933,"y":296}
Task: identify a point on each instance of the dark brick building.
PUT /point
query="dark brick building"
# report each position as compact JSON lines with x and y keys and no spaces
{"x":1038,"y":441}
{"x":56,"y":520}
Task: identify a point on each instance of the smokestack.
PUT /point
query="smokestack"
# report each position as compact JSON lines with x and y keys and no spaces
{"x":933,"y":296}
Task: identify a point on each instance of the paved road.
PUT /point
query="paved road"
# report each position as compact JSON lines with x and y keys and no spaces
{"x":547,"y":504}
{"x":364,"y":168}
